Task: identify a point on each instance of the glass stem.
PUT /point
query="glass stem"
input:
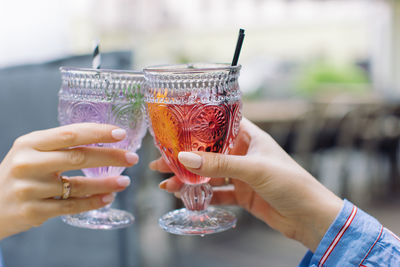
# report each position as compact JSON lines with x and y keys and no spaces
{"x":196,"y":197}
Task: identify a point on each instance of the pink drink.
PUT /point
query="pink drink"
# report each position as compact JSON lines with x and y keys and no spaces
{"x":195,"y":127}
{"x":193,"y":107}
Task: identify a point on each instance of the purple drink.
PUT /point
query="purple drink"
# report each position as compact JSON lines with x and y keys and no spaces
{"x":124,"y":114}
{"x":109,"y":97}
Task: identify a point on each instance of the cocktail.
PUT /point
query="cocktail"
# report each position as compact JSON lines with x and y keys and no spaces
{"x":194,"y":107}
{"x":111,"y":97}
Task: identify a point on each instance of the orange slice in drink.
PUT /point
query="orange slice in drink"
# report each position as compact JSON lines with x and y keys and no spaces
{"x":165,"y":125}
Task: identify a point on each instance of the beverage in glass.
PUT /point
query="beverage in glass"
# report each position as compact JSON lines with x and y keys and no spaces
{"x":109,"y":97}
{"x":193,"y":107}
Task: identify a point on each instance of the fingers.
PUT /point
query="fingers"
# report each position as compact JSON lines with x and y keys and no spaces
{"x":241,"y":164}
{"x":80,"y":187}
{"x":72,"y":135}
{"x":257,"y":206}
{"x":83,"y":186}
{"x":209,"y":164}
{"x":84,"y":157}
{"x":221,"y":196}
{"x":218,"y":182}
{"x":173,"y":184}
{"x":159,"y":165}
{"x":53,"y":207}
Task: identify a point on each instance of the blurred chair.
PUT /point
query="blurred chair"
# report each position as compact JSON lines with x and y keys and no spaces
{"x":362,"y":146}
{"x":380,"y":138}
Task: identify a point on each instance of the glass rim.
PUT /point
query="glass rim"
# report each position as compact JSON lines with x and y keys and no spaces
{"x":185,"y":68}
{"x":95,"y":71}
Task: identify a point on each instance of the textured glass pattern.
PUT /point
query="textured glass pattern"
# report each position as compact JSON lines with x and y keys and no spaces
{"x":110,"y":97}
{"x":104,"y":96}
{"x":193,"y":84}
{"x":194,"y":107}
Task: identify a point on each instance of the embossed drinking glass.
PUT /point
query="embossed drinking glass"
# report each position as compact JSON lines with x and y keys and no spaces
{"x":193,"y":107}
{"x":111,"y":97}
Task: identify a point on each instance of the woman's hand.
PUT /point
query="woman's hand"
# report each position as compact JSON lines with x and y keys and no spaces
{"x":267,"y":182}
{"x":30,"y":174}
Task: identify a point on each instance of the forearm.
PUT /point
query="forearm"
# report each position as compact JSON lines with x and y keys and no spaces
{"x":306,"y":207}
{"x":320,"y":213}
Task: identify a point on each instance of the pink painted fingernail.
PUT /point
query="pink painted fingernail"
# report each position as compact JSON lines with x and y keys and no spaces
{"x":108,"y":199}
{"x":131,"y":158}
{"x":124,"y":181}
{"x":190,"y":159}
{"x":118,"y":134}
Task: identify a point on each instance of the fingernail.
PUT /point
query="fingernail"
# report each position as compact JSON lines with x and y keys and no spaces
{"x":108,"y":199}
{"x":163,"y":185}
{"x":190,"y":159}
{"x":118,"y":134}
{"x":124,"y":181}
{"x":131,"y":158}
{"x":177,"y":195}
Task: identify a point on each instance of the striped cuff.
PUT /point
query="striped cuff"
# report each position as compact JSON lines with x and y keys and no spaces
{"x":347,"y":241}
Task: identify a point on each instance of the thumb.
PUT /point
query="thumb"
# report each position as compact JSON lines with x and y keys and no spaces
{"x":216,"y":165}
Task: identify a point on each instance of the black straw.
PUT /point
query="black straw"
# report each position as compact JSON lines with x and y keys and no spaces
{"x":238,"y":47}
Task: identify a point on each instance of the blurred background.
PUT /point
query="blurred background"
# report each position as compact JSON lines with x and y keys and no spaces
{"x":321,"y":76}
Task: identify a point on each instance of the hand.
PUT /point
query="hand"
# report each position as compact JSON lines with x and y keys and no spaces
{"x":29,"y":174}
{"x":267,"y":182}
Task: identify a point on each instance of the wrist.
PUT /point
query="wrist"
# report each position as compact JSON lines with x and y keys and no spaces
{"x":320,"y":212}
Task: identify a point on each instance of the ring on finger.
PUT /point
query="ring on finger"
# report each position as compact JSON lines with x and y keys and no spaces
{"x":66,"y":187}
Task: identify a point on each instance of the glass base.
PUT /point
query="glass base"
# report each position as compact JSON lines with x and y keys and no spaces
{"x":104,"y":218}
{"x":186,"y":222}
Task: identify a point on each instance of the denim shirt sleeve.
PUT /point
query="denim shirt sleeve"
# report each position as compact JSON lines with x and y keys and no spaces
{"x":355,"y":239}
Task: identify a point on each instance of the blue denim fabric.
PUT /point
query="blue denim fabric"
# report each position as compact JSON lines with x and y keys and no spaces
{"x":355,"y":239}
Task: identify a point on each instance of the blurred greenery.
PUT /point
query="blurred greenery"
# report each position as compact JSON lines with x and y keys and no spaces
{"x":318,"y":78}
{"x":321,"y":77}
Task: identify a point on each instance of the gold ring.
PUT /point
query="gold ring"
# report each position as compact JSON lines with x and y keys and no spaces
{"x":227,"y":180}
{"x":66,"y":187}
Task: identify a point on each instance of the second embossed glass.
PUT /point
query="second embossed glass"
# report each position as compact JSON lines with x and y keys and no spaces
{"x":111,"y":97}
{"x":194,"y":107}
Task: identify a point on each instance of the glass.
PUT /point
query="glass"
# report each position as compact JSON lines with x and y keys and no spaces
{"x":194,"y":107}
{"x":111,"y":97}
